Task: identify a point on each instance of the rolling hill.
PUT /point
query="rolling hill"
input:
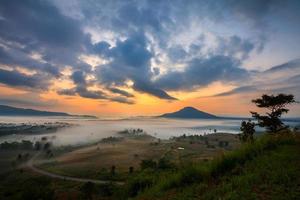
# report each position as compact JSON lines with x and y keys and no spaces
{"x":13,"y":111}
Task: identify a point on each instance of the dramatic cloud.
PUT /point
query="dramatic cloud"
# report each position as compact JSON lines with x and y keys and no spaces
{"x":201,"y":72}
{"x":130,"y":61}
{"x":107,"y":48}
{"x":284,"y":78}
{"x":15,"y":78}
{"x":239,"y":90}
{"x":121,"y":92}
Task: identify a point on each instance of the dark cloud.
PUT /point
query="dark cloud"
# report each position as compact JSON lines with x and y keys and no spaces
{"x":293,"y":64}
{"x":101,"y":48}
{"x":286,"y":80}
{"x":236,"y":47}
{"x":67,"y":92}
{"x":83,"y":92}
{"x":78,"y":78}
{"x":131,"y":61}
{"x":16,"y":58}
{"x":40,"y":22}
{"x":121,"y":92}
{"x":37,"y":27}
{"x":16,"y":78}
{"x":81,"y":89}
{"x":177,"y":53}
{"x":150,"y":89}
{"x":122,"y":100}
{"x":201,"y":72}
{"x":143,"y":49}
{"x":239,"y":90}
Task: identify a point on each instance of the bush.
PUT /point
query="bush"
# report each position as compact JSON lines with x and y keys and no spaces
{"x":148,"y":164}
{"x":220,"y":166}
{"x":164,"y":163}
{"x":138,"y":184}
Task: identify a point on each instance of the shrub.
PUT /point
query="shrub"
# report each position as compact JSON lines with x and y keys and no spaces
{"x":220,"y":166}
{"x":163,"y":163}
{"x":148,"y":164}
{"x":138,"y":184}
{"x":248,"y":130}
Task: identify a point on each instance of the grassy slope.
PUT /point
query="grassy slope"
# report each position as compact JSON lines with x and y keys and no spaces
{"x":268,"y":169}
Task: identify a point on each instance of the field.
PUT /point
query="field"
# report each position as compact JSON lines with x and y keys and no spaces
{"x":96,"y":161}
{"x":186,"y":167}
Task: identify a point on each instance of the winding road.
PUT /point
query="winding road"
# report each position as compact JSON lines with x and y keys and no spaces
{"x":30,"y":165}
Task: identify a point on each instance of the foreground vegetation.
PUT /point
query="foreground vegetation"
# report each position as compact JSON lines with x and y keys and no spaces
{"x":268,"y":168}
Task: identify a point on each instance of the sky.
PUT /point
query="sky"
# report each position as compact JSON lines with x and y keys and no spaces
{"x":147,"y":57}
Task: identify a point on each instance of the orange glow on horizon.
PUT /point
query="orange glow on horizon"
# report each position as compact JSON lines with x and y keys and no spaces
{"x":145,"y":105}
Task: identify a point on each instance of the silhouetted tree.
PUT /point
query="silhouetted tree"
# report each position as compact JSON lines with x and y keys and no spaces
{"x":37,"y":146}
{"x":113,"y":170}
{"x":131,"y":170}
{"x":247,"y":128}
{"x":276,"y":106}
{"x":19,"y":157}
{"x":47,"y":146}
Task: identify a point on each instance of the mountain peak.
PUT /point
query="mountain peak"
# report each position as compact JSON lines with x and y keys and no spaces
{"x":189,"y":108}
{"x":189,"y":113}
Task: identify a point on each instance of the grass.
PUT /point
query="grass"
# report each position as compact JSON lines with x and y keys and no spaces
{"x":9,"y":161}
{"x":96,"y":161}
{"x":25,"y":185}
{"x":269,"y":168}
{"x":215,"y":179}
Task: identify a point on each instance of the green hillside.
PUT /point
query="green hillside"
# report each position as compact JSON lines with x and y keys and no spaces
{"x":267,"y":169}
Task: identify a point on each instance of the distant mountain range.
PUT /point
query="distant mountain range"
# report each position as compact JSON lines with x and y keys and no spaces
{"x":189,"y":113}
{"x":13,"y":111}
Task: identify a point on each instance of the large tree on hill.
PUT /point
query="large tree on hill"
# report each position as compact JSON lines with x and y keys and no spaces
{"x":276,"y":106}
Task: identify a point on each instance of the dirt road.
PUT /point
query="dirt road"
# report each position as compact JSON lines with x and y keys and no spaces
{"x":30,"y":165}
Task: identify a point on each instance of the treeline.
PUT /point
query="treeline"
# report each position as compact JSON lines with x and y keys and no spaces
{"x":137,"y":131}
{"x":25,"y":145}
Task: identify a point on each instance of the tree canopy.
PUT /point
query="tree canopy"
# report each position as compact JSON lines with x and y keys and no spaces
{"x":276,"y":106}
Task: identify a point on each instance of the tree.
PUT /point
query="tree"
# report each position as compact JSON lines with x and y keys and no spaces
{"x":276,"y":106}
{"x":247,"y":128}
{"x":37,"y":146}
{"x":113,"y":170}
{"x":47,"y":146}
{"x":131,"y":169}
{"x":19,"y":156}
